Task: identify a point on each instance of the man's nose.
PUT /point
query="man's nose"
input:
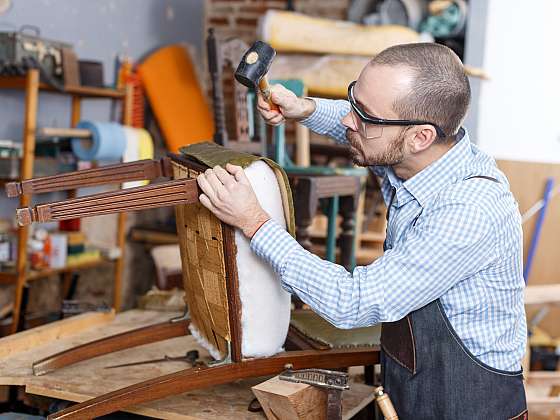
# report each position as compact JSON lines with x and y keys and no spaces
{"x":349,"y":122}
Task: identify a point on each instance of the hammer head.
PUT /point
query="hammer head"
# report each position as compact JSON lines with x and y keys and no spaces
{"x":255,"y":64}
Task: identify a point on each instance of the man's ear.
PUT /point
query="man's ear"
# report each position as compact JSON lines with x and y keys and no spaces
{"x":423,"y":136}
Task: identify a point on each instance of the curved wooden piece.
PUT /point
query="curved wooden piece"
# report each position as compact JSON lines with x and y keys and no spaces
{"x":104,"y":175}
{"x":126,"y":340}
{"x":189,"y":379}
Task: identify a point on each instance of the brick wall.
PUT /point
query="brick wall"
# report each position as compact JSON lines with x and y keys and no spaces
{"x":238,"y":18}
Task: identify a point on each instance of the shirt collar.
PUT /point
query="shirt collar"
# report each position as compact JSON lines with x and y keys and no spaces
{"x":435,"y":176}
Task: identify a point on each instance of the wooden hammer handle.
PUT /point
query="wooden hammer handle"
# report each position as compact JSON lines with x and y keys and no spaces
{"x":265,"y":90}
{"x":385,"y":404}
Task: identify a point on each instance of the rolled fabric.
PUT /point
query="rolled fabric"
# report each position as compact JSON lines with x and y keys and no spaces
{"x":107,"y":142}
{"x":132,"y":149}
{"x":146,"y":144}
{"x":139,"y":146}
{"x":132,"y":152}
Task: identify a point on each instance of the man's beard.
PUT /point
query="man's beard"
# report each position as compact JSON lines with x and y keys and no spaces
{"x":392,"y":155}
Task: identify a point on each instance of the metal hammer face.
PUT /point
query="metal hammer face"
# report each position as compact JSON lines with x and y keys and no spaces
{"x":255,"y":64}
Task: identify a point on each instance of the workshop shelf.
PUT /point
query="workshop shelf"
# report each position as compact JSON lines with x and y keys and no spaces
{"x":32,"y":86}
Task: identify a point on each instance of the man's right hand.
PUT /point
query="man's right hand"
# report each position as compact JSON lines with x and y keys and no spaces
{"x":291,"y":107}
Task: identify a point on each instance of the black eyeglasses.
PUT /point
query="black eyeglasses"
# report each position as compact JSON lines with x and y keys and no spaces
{"x":372,"y":127}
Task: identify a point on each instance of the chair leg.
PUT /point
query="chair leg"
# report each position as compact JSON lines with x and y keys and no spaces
{"x":110,"y":174}
{"x":196,"y":378}
{"x":126,"y":340}
{"x":171,"y":193}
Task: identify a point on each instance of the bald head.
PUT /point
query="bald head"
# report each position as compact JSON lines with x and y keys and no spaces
{"x":434,"y":86}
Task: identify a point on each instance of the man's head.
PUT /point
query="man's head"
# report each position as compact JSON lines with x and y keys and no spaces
{"x":423,"y":83}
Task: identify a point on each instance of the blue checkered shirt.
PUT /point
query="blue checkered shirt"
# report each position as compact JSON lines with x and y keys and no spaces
{"x":448,"y":237}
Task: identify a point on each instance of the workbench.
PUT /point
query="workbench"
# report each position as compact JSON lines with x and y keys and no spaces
{"x":89,"y":378}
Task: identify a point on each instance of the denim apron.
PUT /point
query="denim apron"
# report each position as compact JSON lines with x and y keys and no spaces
{"x":430,"y":374}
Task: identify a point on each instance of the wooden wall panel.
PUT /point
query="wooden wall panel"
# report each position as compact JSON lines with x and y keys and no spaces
{"x":527,"y":181}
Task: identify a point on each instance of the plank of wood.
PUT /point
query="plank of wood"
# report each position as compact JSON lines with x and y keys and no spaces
{"x":288,"y":400}
{"x":329,"y":75}
{"x":44,"y":334}
{"x":353,"y":400}
{"x":542,"y":294}
{"x":89,"y":379}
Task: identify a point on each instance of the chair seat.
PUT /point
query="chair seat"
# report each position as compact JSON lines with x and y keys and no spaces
{"x":311,"y":325}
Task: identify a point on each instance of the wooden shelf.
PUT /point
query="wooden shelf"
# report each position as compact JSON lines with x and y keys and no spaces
{"x":13,"y":82}
{"x":34,"y":275}
{"x":7,"y":277}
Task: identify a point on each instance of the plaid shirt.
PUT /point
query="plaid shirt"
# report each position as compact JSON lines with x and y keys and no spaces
{"x":448,"y":237}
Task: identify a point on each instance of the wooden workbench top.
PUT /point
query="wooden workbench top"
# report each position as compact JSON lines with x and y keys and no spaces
{"x":89,"y":378}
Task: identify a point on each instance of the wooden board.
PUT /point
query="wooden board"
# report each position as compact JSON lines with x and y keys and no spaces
{"x":89,"y":378}
{"x":328,"y":75}
{"x":45,"y":334}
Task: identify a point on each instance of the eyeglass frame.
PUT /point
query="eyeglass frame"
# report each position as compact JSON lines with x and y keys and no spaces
{"x":370,"y":119}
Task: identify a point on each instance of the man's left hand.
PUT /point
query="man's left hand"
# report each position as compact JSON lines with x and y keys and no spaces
{"x":230,"y":196}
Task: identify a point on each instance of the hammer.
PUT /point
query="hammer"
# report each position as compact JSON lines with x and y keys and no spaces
{"x":253,"y":67}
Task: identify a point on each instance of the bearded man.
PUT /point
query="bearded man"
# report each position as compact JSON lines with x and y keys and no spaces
{"x":448,"y":289}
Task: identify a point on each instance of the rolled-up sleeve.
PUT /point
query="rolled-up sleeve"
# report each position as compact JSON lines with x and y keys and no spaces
{"x":451,"y":242}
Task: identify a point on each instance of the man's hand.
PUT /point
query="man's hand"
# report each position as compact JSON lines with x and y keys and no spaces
{"x":231,"y":198}
{"x":290,"y":106}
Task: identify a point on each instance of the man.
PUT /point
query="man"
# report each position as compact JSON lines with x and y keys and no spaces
{"x":449,"y":287}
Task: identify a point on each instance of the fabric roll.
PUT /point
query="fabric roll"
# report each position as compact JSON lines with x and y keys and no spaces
{"x":107,"y":142}
{"x":139,"y":146}
{"x":132,"y":152}
{"x":132,"y":149}
{"x":146,"y":144}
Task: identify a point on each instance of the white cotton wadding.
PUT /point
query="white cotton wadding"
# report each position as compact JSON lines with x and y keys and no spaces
{"x":203,"y":342}
{"x":265,"y":306}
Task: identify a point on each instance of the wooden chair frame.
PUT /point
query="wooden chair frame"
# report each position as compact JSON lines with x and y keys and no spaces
{"x":170,"y":193}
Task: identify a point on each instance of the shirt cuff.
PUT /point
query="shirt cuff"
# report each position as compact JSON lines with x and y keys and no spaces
{"x":273,"y":244}
{"x":325,"y":111}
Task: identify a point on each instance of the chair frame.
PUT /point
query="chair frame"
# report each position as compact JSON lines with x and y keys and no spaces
{"x":170,"y":193}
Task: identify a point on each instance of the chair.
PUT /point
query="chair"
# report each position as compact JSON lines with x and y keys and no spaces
{"x":220,"y":322}
{"x":223,"y":57}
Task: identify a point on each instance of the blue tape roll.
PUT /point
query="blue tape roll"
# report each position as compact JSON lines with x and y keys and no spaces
{"x":107,"y":143}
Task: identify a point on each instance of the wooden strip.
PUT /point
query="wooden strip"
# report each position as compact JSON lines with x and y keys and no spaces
{"x":64,"y":132}
{"x":232,"y":286}
{"x":126,"y":340}
{"x":190,"y":379}
{"x":543,"y":378}
{"x":40,"y":335}
{"x":542,"y":294}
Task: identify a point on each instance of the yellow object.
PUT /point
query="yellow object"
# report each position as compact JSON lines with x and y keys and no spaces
{"x":176,"y":97}
{"x":145,"y":147}
{"x":84,"y":257}
{"x":295,"y":32}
